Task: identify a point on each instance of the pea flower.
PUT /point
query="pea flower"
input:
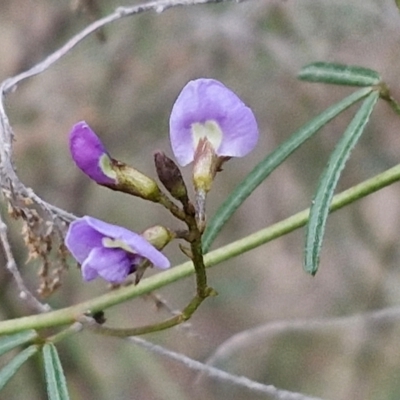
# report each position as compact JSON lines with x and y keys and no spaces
{"x":208,"y":125}
{"x":92,"y":158}
{"x":89,"y":154}
{"x":207,"y":109}
{"x":109,"y":251}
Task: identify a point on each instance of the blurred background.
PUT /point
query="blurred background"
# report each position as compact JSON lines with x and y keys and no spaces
{"x":124,"y":87}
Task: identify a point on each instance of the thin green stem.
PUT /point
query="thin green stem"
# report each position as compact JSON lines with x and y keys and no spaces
{"x":200,"y":268}
{"x":171,"y":206}
{"x":194,"y":238}
{"x":384,"y":93}
{"x":71,"y":314}
{"x":71,"y":330}
{"x":395,"y":106}
{"x":169,"y":323}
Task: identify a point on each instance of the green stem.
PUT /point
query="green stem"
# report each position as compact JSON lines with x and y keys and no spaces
{"x":395,"y":106}
{"x":169,"y":323}
{"x":196,"y":248}
{"x":71,"y":330}
{"x":200,"y":268}
{"x":384,"y":93}
{"x":171,"y":206}
{"x":71,"y":314}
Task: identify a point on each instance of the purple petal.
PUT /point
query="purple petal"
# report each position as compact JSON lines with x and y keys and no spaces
{"x":204,"y":100}
{"x":89,"y":153}
{"x":146,"y":250}
{"x":81,"y":238}
{"x":136,"y":242}
{"x":113,"y":265}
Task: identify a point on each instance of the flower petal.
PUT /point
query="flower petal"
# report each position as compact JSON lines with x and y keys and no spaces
{"x":113,"y":265}
{"x":90,"y":155}
{"x":136,"y":242}
{"x":146,"y":250}
{"x":81,"y":238}
{"x":240,"y":133}
{"x":204,"y":100}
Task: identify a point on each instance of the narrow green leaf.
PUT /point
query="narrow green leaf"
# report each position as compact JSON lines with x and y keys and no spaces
{"x":7,"y":372}
{"x":262,"y":170}
{"x":320,"y":206}
{"x":339,"y":74}
{"x":9,"y":342}
{"x":55,"y":378}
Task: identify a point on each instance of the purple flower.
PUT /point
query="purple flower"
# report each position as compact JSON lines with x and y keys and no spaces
{"x":109,"y":251}
{"x":90,"y":155}
{"x":206,"y":108}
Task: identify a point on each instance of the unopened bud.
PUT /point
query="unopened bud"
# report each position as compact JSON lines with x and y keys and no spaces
{"x":171,"y":177}
{"x":158,"y":236}
{"x":91,"y":157}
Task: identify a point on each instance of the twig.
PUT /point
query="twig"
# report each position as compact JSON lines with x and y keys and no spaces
{"x":120,"y":12}
{"x":270,"y":329}
{"x":24,"y":292}
{"x":253,"y":386}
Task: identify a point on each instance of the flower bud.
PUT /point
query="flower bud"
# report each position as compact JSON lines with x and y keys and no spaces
{"x":89,"y":154}
{"x":158,"y":236}
{"x":171,"y":177}
{"x":91,"y":157}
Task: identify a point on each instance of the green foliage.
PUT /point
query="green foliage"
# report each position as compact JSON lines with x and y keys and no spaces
{"x":9,"y":342}
{"x":7,"y":372}
{"x":55,"y":378}
{"x":321,"y":203}
{"x":271,"y":162}
{"x":339,"y":74}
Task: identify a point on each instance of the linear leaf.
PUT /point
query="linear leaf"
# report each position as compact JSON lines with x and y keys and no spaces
{"x":55,"y":378}
{"x":339,"y":74}
{"x":9,"y":342}
{"x":263,"y":169}
{"x":320,"y":206}
{"x":8,"y":371}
